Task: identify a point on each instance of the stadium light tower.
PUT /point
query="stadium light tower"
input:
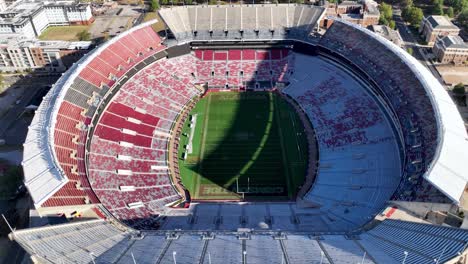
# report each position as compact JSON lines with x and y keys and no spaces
{"x":174,"y":256}
{"x":92,"y":257}
{"x":321,"y":257}
{"x":404,"y":259}
{"x":243,"y":256}
{"x":441,"y":254}
{"x":363,"y":257}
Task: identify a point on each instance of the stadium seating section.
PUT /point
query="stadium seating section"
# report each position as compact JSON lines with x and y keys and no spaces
{"x":246,"y":68}
{"x":129,"y":145}
{"x":360,"y":162}
{"x":102,"y":242}
{"x":402,"y":90}
{"x":358,"y":167}
{"x":79,"y":105}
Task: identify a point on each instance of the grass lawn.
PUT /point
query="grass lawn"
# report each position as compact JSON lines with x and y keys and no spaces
{"x":244,"y":142}
{"x":154,"y":15}
{"x":67,"y":33}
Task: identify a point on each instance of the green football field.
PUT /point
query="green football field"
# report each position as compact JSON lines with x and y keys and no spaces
{"x":243,"y":145}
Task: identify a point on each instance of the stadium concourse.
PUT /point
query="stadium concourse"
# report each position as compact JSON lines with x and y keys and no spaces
{"x":105,"y":137}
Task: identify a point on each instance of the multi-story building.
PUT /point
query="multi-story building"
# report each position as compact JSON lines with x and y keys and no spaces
{"x":364,"y":13}
{"x":451,"y":49}
{"x":31,"y":18}
{"x":437,"y":26}
{"x":19,"y":53}
{"x":387,"y":33}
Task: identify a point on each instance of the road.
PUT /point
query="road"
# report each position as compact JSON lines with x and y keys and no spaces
{"x":410,"y":42}
{"x":33,"y":87}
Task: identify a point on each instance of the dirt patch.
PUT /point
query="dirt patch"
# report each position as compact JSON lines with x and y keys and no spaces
{"x":454,"y":74}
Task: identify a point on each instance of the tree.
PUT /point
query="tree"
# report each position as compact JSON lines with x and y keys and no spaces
{"x":386,"y":11}
{"x":413,"y":15}
{"x":462,"y":18}
{"x":154,"y":5}
{"x":188,"y":2}
{"x":2,"y":80}
{"x":407,"y":3}
{"x":438,"y":9}
{"x":83,"y":35}
{"x":450,"y":12}
{"x":164,"y":2}
{"x":213,"y":2}
{"x":383,"y":20}
{"x":458,"y":5}
{"x":410,"y":51}
{"x":459,"y":89}
{"x":392,"y":24}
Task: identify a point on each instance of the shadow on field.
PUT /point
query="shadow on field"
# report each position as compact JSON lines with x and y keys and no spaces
{"x":241,"y":150}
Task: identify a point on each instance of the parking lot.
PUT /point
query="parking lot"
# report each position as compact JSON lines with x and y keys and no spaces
{"x":115,"y":21}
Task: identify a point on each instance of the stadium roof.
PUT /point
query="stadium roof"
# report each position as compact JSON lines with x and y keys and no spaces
{"x":101,"y":242}
{"x":448,"y":169}
{"x":230,"y":22}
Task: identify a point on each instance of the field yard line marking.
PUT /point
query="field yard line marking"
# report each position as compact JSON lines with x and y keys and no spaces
{"x":283,"y":149}
{"x":202,"y":148}
{"x":261,"y":144}
{"x":293,"y":117}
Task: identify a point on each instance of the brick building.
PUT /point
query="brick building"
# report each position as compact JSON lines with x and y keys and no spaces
{"x":364,"y":13}
{"x":437,"y":26}
{"x":451,"y":49}
{"x":17,"y":53}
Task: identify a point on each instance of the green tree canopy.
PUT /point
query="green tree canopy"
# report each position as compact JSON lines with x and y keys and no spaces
{"x":383,"y":20}
{"x":462,"y":18}
{"x":438,"y":9}
{"x":392,"y":24}
{"x":410,"y":51}
{"x":154,"y":5}
{"x":386,"y":11}
{"x":83,"y":35}
{"x":459,"y":89}
{"x":407,"y":3}
{"x":450,"y":12}
{"x":413,"y":15}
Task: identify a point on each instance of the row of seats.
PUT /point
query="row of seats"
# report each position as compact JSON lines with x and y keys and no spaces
{"x":403,"y":91}
{"x":358,"y":166}
{"x":110,"y":244}
{"x":129,"y":50}
{"x":79,"y":105}
{"x":242,"y":68}
{"x":128,"y":165}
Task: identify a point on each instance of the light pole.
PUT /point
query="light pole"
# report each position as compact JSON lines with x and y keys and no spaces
{"x":321,"y":257}
{"x":404,"y":259}
{"x":209,"y":258}
{"x":92,"y":257}
{"x":173,"y":256}
{"x":363,"y":257}
{"x":244,"y":256}
{"x":133,"y":258}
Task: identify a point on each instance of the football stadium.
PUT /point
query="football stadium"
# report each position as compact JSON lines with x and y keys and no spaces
{"x":245,"y":134}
